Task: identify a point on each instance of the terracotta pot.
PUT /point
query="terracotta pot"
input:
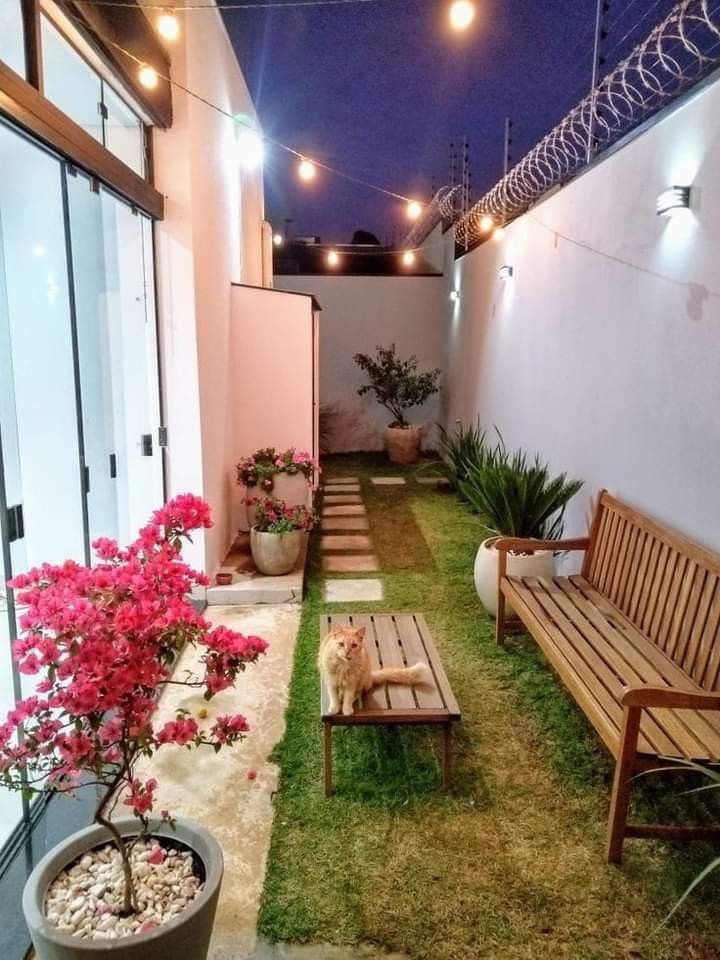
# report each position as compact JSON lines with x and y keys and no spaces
{"x":187,"y":935}
{"x":402,"y":444}
{"x":540,"y":564}
{"x":276,"y":553}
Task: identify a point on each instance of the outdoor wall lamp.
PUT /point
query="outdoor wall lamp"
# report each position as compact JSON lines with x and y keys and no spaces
{"x":672,"y":199}
{"x":454,"y":295}
{"x":505,"y":272}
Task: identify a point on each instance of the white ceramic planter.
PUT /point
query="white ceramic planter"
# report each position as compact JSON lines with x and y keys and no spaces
{"x":275,"y":554}
{"x":402,"y":444}
{"x":540,"y":564}
{"x":186,"y":936}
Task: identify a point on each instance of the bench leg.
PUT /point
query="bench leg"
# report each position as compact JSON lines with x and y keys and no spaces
{"x":327,"y":759}
{"x":620,"y":800}
{"x":447,"y":756}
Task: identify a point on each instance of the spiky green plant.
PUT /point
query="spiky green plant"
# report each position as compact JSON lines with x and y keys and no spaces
{"x":517,"y":497}
{"x":459,"y":448}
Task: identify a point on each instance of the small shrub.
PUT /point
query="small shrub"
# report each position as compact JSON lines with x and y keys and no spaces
{"x":396,"y":383}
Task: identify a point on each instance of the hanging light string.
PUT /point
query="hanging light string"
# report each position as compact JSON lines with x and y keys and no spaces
{"x":412,"y":204}
{"x":175,"y":8}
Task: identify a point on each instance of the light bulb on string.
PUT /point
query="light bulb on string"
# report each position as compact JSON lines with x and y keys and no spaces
{"x":251,"y":151}
{"x":278,"y":239}
{"x":306,"y":170}
{"x":486,"y":223}
{"x":333,"y":258}
{"x":408,"y":258}
{"x":461,"y":14}
{"x":147,"y":76}
{"x":413,"y":209}
{"x":168,"y":26}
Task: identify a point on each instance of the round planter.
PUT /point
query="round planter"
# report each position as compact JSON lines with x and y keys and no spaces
{"x":276,"y":553}
{"x":186,"y":936}
{"x":540,"y":564}
{"x":292,"y":488}
{"x":402,"y":444}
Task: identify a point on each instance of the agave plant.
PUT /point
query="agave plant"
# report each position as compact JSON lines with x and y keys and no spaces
{"x":460,"y":448}
{"x":517,"y":497}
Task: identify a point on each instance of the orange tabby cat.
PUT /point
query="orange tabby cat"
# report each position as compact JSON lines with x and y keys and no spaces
{"x":345,"y":667}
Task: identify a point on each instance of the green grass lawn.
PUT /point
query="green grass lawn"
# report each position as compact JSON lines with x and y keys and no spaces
{"x":511,"y":863}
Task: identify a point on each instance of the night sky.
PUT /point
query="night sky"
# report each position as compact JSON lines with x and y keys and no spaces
{"x":379,"y":90}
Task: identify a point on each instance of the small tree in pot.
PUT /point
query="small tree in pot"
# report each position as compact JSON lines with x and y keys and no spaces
{"x":105,"y":639}
{"x":398,"y":386}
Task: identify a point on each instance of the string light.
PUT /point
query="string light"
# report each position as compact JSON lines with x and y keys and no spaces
{"x":408,"y":258}
{"x":306,"y":170}
{"x":250,"y":149}
{"x":278,"y":239}
{"x":413,"y":209}
{"x":168,"y":26}
{"x":461,"y":14}
{"x":147,"y":76}
{"x":486,"y":223}
{"x":333,"y":258}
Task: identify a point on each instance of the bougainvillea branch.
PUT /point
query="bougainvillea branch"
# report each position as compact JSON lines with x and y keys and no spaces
{"x":104,"y":640}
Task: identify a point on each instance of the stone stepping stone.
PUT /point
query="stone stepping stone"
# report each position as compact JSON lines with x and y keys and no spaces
{"x":343,"y":488}
{"x":388,"y":481}
{"x":350,"y":563}
{"x":433,"y":481}
{"x":344,"y":510}
{"x":344,"y":498}
{"x":332,"y":481}
{"x":350,"y":542}
{"x":353,"y":591}
{"x":344,"y":523}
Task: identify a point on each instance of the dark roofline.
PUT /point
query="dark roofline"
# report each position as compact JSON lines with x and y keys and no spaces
{"x":294,"y":293}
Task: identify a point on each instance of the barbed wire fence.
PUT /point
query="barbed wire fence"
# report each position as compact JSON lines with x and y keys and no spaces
{"x":682,"y":49}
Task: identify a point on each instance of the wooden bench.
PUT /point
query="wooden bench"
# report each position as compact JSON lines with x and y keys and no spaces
{"x":394,"y":640}
{"x":635,"y":638}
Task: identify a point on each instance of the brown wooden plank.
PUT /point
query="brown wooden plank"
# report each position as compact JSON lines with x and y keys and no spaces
{"x":619,"y":561}
{"x":613,"y":530}
{"x":698,"y":638}
{"x":634,"y":600}
{"x":430,"y":698}
{"x":629,"y":569}
{"x":644,"y":598}
{"x":684,"y":615}
{"x":664,"y":555}
{"x":376,"y":699}
{"x":689,"y":732}
{"x":590,"y":559}
{"x":436,"y":663}
{"x":710,"y":637}
{"x":672,"y":593}
{"x":400,"y":697}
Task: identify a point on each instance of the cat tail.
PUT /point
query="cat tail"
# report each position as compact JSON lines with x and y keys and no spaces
{"x":420,"y":673}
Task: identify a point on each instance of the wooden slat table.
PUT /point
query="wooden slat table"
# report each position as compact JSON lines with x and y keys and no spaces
{"x":394,"y":640}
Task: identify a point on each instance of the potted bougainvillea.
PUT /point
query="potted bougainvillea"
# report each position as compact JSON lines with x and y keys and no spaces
{"x":103,"y":640}
{"x":285,"y":476}
{"x":279,"y":534}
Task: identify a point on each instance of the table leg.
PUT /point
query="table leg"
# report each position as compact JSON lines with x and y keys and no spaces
{"x":327,"y":761}
{"x":447,"y":755}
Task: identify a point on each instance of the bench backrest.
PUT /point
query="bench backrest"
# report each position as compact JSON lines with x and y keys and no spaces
{"x":666,"y":584}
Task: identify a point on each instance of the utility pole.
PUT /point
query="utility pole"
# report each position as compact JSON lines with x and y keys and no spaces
{"x":507,"y":143}
{"x":600,"y":34}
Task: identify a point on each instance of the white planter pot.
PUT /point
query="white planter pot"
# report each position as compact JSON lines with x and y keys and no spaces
{"x":275,"y":554}
{"x":402,"y":444}
{"x":186,"y":936}
{"x":540,"y":564}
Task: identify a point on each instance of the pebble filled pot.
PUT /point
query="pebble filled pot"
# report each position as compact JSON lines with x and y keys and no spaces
{"x":398,"y":386}
{"x":279,"y":535}
{"x":103,"y":640}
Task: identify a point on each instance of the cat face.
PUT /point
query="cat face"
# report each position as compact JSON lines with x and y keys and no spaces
{"x":349,"y":642}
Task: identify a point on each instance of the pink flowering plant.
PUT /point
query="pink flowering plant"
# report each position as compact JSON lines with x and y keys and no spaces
{"x":260,"y":469}
{"x":104,"y":640}
{"x":275,"y":516}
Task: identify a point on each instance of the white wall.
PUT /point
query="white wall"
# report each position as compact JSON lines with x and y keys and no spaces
{"x":359,"y":313}
{"x":210,"y":238}
{"x":603,"y":351}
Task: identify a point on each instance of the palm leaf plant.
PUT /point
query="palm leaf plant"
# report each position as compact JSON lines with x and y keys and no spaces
{"x":517,"y":496}
{"x":460,"y":448}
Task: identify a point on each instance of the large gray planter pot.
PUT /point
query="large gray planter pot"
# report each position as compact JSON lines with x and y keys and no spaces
{"x":186,"y":936}
{"x":275,"y":554}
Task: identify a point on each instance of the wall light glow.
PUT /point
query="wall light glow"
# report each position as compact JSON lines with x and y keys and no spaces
{"x":454,"y":295}
{"x":505,"y":272}
{"x":672,"y":200}
{"x":251,"y":151}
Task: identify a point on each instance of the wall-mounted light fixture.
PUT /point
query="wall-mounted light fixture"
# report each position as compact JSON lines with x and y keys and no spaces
{"x":505,"y":272}
{"x":672,"y":199}
{"x":454,"y":295}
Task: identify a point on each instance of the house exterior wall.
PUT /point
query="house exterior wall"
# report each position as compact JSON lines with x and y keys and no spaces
{"x":210,"y":238}
{"x":359,"y":313}
{"x":603,"y":351}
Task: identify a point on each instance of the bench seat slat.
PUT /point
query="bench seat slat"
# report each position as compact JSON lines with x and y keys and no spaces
{"x":597,"y":651}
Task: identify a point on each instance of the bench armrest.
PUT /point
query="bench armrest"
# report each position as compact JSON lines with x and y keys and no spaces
{"x":527,"y":545}
{"x":647,"y":696}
